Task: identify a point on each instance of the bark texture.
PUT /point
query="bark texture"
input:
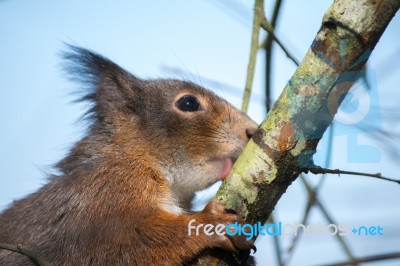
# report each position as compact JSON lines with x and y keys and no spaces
{"x":286,"y":141}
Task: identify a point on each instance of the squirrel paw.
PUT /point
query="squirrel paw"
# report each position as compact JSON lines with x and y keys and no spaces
{"x":233,"y":241}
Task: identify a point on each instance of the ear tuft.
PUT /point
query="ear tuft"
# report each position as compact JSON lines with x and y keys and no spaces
{"x":107,"y":86}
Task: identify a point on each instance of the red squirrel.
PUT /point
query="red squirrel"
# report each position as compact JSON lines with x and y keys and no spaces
{"x":124,"y":192}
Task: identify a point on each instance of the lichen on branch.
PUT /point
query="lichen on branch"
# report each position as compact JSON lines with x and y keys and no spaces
{"x":287,"y":139}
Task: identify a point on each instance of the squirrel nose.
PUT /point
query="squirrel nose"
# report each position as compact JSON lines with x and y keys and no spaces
{"x":250,"y":132}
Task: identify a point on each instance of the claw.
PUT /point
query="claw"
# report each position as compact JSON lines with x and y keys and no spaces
{"x":254,"y":249}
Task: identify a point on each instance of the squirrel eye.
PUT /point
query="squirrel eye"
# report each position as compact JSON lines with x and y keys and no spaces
{"x":188,"y":103}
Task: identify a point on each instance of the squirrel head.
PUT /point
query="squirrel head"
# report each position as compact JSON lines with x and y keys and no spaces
{"x":183,"y":131}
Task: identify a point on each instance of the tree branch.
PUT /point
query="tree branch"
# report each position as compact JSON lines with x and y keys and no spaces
{"x":287,"y":139}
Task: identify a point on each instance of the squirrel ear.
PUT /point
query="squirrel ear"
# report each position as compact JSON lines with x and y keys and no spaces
{"x":109,"y":87}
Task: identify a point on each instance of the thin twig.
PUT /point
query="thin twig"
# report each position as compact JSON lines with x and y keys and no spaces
{"x":313,"y":200}
{"x":25,"y":251}
{"x":277,"y":244}
{"x":380,"y":257}
{"x":268,"y":27}
{"x":330,"y":220}
{"x":258,"y":15}
{"x":296,"y":238}
{"x":320,"y":170}
{"x":268,"y":55}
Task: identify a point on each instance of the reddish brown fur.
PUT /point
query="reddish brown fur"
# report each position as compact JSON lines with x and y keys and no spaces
{"x":126,"y":188}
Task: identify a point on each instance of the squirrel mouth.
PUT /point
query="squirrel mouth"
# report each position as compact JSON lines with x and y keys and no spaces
{"x":228,"y":163}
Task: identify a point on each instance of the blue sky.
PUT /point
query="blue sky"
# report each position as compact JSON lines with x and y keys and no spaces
{"x":210,"y":41}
